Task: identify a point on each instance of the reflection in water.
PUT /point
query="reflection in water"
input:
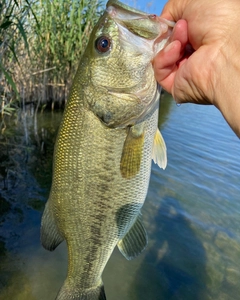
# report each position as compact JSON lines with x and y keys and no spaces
{"x":25,"y":176}
{"x":175,"y":267}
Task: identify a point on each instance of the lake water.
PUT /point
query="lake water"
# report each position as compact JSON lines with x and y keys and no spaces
{"x":192,"y":213}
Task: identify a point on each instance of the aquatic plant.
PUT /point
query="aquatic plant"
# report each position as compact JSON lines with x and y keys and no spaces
{"x":13,"y":15}
{"x":40,"y":46}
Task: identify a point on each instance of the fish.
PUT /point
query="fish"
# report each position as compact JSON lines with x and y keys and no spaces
{"x":104,"y":148}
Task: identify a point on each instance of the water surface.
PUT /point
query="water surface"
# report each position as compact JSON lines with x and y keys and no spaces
{"x":192,"y":213}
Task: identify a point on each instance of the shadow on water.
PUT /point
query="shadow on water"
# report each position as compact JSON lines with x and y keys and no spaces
{"x":175,"y":259}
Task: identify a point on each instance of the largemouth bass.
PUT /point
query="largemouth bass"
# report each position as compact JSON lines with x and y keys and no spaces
{"x":104,"y":148}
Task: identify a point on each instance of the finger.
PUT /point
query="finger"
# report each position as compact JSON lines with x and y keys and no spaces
{"x":169,"y":59}
{"x":180,"y":33}
{"x":165,"y":60}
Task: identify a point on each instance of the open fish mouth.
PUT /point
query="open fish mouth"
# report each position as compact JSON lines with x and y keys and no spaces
{"x":138,"y":29}
{"x":147,"y":27}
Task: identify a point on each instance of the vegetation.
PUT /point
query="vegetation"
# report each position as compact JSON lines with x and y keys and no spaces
{"x":40,"y":46}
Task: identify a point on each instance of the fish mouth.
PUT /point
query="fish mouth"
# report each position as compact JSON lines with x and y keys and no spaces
{"x":149,"y":27}
{"x":139,"y":29}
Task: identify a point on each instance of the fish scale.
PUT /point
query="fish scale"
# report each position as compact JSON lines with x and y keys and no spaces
{"x":102,"y":156}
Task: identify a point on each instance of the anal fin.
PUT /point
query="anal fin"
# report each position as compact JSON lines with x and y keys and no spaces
{"x":135,"y":240}
{"x":50,"y":235}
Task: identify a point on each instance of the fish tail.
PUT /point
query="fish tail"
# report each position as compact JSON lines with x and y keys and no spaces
{"x":67,"y":292}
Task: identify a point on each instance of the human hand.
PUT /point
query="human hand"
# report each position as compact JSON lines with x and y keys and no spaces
{"x":202,"y":62}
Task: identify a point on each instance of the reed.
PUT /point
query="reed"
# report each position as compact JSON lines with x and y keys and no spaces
{"x":12,"y":17}
{"x":43,"y":45}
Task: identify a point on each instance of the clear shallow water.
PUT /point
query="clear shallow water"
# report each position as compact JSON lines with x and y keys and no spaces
{"x":192,"y":214}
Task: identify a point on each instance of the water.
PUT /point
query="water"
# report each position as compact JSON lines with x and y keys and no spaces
{"x":192,"y":214}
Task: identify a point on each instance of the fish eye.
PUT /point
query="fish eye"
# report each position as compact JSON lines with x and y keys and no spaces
{"x":103,"y":44}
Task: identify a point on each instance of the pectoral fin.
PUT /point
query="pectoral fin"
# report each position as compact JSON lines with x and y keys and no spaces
{"x":50,"y":235}
{"x":132,"y":152}
{"x":159,"y":154}
{"x":135,"y":241}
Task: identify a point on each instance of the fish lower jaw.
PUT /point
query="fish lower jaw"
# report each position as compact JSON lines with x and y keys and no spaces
{"x":112,"y":11}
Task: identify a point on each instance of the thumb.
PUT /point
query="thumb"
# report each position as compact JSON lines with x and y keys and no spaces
{"x":173,"y":10}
